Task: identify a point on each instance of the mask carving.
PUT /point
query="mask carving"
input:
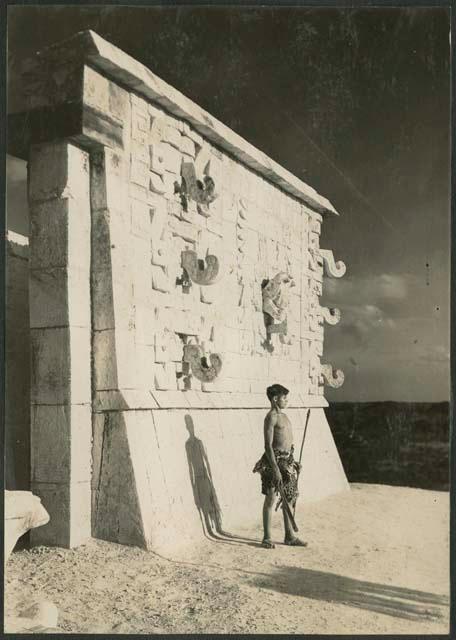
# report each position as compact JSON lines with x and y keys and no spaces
{"x":201,"y":368}
{"x":195,"y":269}
{"x":275,"y":294}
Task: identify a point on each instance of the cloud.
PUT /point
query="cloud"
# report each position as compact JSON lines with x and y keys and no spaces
{"x":398,"y":295}
{"x":435,"y":354}
{"x":360,"y":323}
{"x":368,"y":290}
{"x":391,"y":287}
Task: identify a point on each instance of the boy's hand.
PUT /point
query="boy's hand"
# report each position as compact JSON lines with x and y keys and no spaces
{"x":298,"y":467}
{"x":277,"y":477}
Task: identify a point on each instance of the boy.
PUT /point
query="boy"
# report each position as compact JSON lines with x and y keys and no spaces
{"x":277,"y":466}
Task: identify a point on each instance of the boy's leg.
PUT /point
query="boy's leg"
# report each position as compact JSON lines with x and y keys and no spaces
{"x":267,"y":514}
{"x":290,"y":538}
{"x":287,"y":524}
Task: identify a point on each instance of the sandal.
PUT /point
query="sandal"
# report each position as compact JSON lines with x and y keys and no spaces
{"x":267,"y":544}
{"x":295,"y":542}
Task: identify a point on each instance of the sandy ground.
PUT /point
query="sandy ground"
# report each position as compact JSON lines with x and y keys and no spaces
{"x":377,"y":562}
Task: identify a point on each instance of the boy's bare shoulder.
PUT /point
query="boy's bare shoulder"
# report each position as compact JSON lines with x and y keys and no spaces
{"x":271,"y":416}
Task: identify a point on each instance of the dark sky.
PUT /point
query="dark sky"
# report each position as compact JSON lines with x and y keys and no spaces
{"x":356,"y":103}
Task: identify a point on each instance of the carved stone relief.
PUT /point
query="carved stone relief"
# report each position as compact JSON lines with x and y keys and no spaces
{"x":159,"y":247}
{"x":198,"y":184}
{"x":334,"y":377}
{"x":333,"y":269}
{"x":331,"y":315}
{"x":275,"y":295}
{"x":197,"y":271}
{"x":204,"y":368}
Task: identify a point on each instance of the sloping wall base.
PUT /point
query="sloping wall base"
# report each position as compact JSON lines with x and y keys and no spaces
{"x":163,"y":479}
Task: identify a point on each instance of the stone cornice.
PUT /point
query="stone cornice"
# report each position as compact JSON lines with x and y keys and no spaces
{"x":87,"y":47}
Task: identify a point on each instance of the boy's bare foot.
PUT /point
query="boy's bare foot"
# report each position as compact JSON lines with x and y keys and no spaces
{"x":295,"y":542}
{"x":267,"y":544}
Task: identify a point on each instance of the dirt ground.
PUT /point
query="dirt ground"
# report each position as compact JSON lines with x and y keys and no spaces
{"x":377,"y":562}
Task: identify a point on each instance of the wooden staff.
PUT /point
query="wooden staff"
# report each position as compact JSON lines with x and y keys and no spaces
{"x":299,"y":470}
{"x":287,"y":509}
{"x":300,"y":454}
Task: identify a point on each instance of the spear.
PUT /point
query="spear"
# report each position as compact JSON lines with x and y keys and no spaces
{"x":280,"y":502}
{"x":300,"y":454}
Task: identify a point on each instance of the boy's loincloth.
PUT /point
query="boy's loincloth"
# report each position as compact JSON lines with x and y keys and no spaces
{"x":288,"y":468}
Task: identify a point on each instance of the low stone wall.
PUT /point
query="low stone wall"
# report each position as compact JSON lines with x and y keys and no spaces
{"x":17,"y":352}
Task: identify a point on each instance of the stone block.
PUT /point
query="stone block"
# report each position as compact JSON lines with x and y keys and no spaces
{"x":139,"y":173}
{"x":185,"y":230}
{"x":110,"y":172}
{"x":158,"y":216}
{"x":156,"y":158}
{"x":61,"y":443}
{"x":58,"y":170}
{"x":139,"y":125}
{"x":69,"y":508}
{"x":171,"y":399}
{"x":164,"y":376}
{"x":96,"y":90}
{"x":140,"y":218}
{"x":114,"y":365}
{"x":169,"y":183}
{"x":59,"y":297}
{"x":34,"y":616}
{"x":60,"y":234}
{"x":187,"y":146}
{"x":144,"y":362}
{"x":160,"y":280}
{"x":119,"y":104}
{"x":23,"y":511}
{"x":104,"y":360}
{"x":60,"y":366}
{"x":172,"y":158}
{"x":157,"y":126}
{"x":112,"y":300}
{"x":139,"y":104}
{"x":139,"y":152}
{"x":156,"y":183}
{"x":110,"y":229}
{"x":145,"y":325}
{"x":193,"y":135}
{"x":171,"y":135}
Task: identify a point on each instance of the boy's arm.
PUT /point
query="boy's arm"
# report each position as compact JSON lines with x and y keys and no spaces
{"x":269,"y":424}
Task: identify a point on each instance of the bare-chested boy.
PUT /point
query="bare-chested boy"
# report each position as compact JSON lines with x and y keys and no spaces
{"x":277,"y":466}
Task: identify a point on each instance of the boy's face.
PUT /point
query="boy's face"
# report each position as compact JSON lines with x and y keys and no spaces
{"x":281,"y":401}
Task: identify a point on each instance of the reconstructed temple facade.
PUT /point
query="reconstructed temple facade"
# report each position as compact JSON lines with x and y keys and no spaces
{"x":175,"y":273}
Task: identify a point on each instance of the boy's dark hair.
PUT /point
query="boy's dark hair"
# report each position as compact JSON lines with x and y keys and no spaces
{"x":276,"y":390}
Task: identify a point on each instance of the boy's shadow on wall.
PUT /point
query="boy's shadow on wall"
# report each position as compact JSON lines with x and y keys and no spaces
{"x":204,"y":492}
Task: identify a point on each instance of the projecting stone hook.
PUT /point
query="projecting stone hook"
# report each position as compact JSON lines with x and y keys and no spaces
{"x":331,"y":316}
{"x":334,"y":377}
{"x":333,"y":269}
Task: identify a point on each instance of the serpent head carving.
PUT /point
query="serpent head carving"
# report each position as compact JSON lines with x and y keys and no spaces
{"x":334,"y":377}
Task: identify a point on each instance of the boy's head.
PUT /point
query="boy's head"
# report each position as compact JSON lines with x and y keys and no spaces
{"x":276,"y":393}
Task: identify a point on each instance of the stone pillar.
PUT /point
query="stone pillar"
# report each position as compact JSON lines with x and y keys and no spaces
{"x":60,"y":322}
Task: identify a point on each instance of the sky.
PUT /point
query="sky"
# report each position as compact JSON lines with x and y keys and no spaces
{"x":355,"y":102}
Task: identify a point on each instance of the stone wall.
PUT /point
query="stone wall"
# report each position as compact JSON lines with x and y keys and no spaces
{"x":17,"y":365}
{"x":145,"y":219}
{"x":205,"y":273}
